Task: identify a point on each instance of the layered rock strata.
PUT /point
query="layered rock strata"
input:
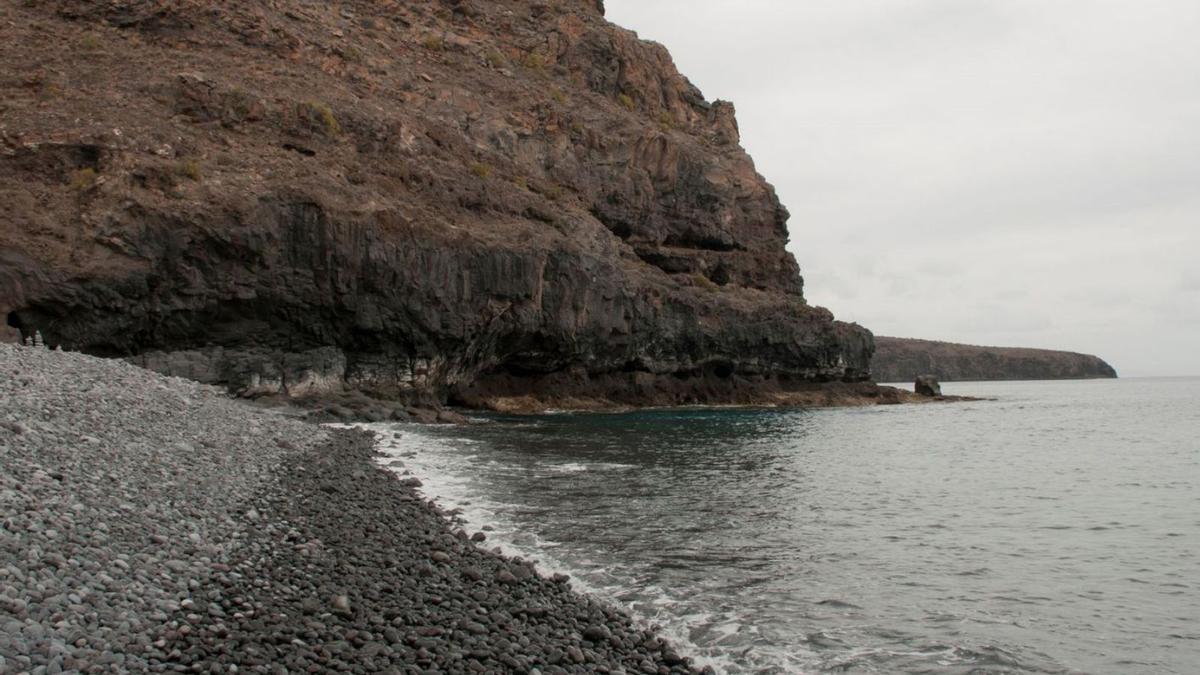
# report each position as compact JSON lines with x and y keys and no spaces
{"x":451,"y":200}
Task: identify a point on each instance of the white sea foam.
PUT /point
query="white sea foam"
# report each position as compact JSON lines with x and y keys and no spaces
{"x":443,"y":465}
{"x":576,"y":467}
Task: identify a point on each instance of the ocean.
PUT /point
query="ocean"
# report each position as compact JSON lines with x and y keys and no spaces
{"x":1054,"y":529}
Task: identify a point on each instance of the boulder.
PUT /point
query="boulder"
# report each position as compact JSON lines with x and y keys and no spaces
{"x":450,"y":417}
{"x":927,"y":385}
{"x":422,"y":415}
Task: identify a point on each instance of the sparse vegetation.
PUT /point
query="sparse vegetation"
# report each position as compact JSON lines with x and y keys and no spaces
{"x":535,"y":62}
{"x":665,"y":120}
{"x":521,"y":182}
{"x":90,"y":42}
{"x":190,"y":168}
{"x":83,"y":179}
{"x":626,"y":101}
{"x":480,"y":169}
{"x":495,"y":59}
{"x":558,"y":95}
{"x":433,"y":43}
{"x":704,"y":282}
{"x":553,"y":192}
{"x":323,"y":115}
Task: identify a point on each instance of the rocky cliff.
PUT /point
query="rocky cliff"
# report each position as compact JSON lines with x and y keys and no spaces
{"x":903,"y":359}
{"x":461,"y":199}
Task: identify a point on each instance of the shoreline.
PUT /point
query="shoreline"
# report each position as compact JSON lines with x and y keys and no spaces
{"x":159,"y":525}
{"x":446,"y":603}
{"x":780,"y":400}
{"x":413,"y":453}
{"x":355,"y":406}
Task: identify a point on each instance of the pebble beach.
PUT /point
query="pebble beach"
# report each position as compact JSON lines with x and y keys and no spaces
{"x":152,"y":524}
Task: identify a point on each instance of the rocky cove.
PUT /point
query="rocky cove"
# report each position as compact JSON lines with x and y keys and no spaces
{"x":374,"y":210}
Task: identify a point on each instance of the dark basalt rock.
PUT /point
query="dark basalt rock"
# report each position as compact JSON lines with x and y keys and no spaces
{"x":487,"y":200}
{"x":927,"y":385}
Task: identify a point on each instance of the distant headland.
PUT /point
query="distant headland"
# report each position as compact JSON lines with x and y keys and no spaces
{"x":902,"y":359}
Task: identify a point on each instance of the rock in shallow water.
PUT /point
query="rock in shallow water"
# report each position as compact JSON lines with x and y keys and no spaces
{"x":927,"y":385}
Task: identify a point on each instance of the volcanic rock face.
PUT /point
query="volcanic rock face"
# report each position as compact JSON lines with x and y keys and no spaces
{"x":903,"y":359}
{"x":422,"y":200}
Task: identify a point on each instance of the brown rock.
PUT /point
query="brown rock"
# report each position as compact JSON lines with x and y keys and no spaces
{"x":269,"y":210}
{"x":422,"y":415}
{"x":450,"y":417}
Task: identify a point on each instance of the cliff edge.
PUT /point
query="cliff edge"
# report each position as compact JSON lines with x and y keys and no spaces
{"x":903,"y":359}
{"x":463,"y":200}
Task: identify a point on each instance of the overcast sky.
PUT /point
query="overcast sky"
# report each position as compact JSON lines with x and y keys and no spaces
{"x":1003,"y":172}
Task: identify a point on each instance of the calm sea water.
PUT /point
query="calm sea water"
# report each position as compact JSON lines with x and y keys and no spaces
{"x":1053,"y":530}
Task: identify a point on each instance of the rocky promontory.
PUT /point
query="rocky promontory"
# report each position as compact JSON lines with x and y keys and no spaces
{"x":497,"y":204}
{"x":903,"y":359}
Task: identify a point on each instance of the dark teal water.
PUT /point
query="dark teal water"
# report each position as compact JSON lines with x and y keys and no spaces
{"x":1056,"y":529}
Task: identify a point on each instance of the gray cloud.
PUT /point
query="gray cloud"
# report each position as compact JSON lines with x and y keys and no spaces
{"x":998,"y":172}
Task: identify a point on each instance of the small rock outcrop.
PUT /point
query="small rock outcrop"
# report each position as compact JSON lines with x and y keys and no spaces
{"x":474,"y":202}
{"x":927,"y":385}
{"x":904,"y":359}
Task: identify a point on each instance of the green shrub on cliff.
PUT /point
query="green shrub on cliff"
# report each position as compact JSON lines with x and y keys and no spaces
{"x":83,"y":178}
{"x":704,"y":282}
{"x":495,"y":59}
{"x":534,"y":62}
{"x":190,"y":168}
{"x":323,"y":116}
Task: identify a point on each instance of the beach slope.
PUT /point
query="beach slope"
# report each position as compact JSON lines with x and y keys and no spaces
{"x":153,"y":524}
